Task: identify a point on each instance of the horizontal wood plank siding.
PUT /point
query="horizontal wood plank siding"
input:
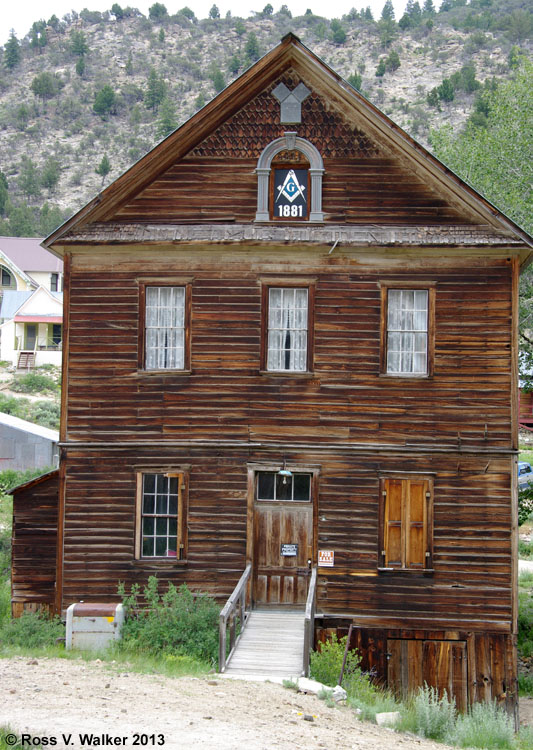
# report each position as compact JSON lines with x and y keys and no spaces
{"x":33,"y":575}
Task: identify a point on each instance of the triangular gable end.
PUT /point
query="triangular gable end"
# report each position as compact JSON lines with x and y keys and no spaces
{"x":374,"y":172}
{"x":41,"y":302}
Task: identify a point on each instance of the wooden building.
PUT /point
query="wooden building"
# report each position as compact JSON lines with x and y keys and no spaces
{"x":292,"y":342}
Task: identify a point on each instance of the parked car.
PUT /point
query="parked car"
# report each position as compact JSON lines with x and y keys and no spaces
{"x":525,"y":474}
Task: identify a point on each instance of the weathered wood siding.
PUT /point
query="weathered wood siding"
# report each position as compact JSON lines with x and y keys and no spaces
{"x":464,"y":406}
{"x":363,"y":182}
{"x":33,"y":574}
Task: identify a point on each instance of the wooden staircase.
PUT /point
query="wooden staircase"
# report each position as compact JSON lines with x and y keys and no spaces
{"x":271,"y":645}
{"x":26,"y":361}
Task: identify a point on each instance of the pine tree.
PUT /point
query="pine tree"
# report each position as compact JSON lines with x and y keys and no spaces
{"x":104,"y":168}
{"x":155,"y":91}
{"x":78,"y":44}
{"x":12,"y":52}
{"x":167,"y":120}
{"x":38,"y":37}
{"x":51,"y":173}
{"x":218,"y":81}
{"x":252,"y":47}
{"x":105,"y":101}
{"x":214,"y":12}
{"x":387,"y":14}
{"x":3,"y":192}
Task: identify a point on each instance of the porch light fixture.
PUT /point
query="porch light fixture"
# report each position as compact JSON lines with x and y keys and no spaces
{"x":284,"y":472}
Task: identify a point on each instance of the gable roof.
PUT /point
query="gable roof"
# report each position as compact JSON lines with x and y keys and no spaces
{"x":13,"y":302}
{"x":289,"y":53}
{"x":28,"y":254}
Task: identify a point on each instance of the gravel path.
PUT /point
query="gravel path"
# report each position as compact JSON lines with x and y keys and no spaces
{"x":55,"y":697}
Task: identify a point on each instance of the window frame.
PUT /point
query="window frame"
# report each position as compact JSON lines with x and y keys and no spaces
{"x":266,"y":286}
{"x":408,"y":285}
{"x":278,"y":501}
{"x":156,"y":282}
{"x":182,"y":525}
{"x":429,"y":530}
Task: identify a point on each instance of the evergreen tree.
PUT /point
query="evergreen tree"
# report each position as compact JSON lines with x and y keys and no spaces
{"x":4,"y":187}
{"x":117,"y":11}
{"x":393,"y":61}
{"x":104,"y":168}
{"x":105,"y":101}
{"x":49,"y":219}
{"x":214,"y":12}
{"x":387,"y":14}
{"x":355,"y":80}
{"x":46,"y":86}
{"x":157,"y":12}
{"x":21,"y":220}
{"x":129,"y":65}
{"x":188,"y":13}
{"x":251,"y":48}
{"x":218,"y":81}
{"x":155,"y":91}
{"x":80,"y":66}
{"x":28,"y":179}
{"x":268,"y":10}
{"x":240,"y":28}
{"x":199,"y":101}
{"x":381,"y":69}
{"x":429,"y":8}
{"x":78,"y":44}
{"x":446,"y":91}
{"x":167,"y":121}
{"x":51,"y":173}
{"x":338,"y":33}
{"x":12,"y":52}
{"x":234,"y":64}
{"x":368,"y":14}
{"x":38,"y":37}
{"x":161,"y":35}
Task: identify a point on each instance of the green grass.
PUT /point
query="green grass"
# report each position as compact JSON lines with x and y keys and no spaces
{"x":4,"y":731}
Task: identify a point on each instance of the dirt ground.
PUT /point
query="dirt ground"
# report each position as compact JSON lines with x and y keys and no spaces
{"x":54,"y":697}
{"x":49,"y":698}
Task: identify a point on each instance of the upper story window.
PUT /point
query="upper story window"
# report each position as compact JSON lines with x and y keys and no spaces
{"x":165,"y":343}
{"x":289,"y":181}
{"x":7,"y":278}
{"x":287,"y":346}
{"x":407,"y":331}
{"x":55,"y":282}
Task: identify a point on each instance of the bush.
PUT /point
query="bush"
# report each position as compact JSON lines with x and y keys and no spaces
{"x":326,"y":662}
{"x":32,"y":630}
{"x":434,"y":716}
{"x":485,"y":725}
{"x":525,"y":503}
{"x":33,"y":383}
{"x":177,"y":622}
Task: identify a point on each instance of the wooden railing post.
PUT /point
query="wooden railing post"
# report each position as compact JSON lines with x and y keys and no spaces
{"x":235,"y":606}
{"x":309,"y":622}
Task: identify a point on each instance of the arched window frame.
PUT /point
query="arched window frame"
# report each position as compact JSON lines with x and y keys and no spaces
{"x":291,"y":142}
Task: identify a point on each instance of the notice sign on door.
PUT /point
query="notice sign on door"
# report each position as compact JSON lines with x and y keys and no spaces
{"x":289,"y":550}
{"x":326,"y":558}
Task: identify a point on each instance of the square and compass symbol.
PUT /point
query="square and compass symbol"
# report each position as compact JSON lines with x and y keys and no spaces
{"x":290,"y":193}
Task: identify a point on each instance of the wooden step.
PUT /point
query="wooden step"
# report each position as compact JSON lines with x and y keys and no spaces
{"x":270,"y":646}
{"x":26,"y":361}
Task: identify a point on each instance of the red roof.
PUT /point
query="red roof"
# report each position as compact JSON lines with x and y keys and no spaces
{"x":38,"y":319}
{"x":28,"y":255}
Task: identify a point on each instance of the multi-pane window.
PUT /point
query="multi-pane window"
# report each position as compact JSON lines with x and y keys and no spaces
{"x":288,"y":316}
{"x":54,"y":282}
{"x":6,"y":277}
{"x":161,"y":515}
{"x":272,"y":486}
{"x":406,"y":528}
{"x":165,"y":328}
{"x":407,"y":331}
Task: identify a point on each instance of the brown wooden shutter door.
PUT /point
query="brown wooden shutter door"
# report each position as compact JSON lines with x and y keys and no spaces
{"x":393,"y":523}
{"x":416,"y":524}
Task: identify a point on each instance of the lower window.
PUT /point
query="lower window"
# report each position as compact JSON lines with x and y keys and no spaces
{"x":160,"y":516}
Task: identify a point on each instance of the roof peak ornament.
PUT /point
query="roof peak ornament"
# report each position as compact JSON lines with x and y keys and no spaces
{"x":291,"y":101}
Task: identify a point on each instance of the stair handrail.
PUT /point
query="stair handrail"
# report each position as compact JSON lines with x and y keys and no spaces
{"x":309,"y":622}
{"x":234,"y":607}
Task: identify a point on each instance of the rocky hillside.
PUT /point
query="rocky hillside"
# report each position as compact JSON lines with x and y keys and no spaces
{"x":84,"y":97}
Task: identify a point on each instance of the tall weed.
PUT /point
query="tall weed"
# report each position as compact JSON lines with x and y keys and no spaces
{"x":326,"y":662}
{"x":177,"y":622}
{"x":484,"y":726}
{"x":434,"y":716}
{"x":31,"y":630}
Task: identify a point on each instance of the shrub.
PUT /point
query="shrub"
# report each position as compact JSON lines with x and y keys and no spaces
{"x":32,"y":630}
{"x":33,"y":383}
{"x":485,"y":725}
{"x":434,"y":716}
{"x":525,"y":685}
{"x":177,"y":622}
{"x":525,"y":503}
{"x":326,"y":662}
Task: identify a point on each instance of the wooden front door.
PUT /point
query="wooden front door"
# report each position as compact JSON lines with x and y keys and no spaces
{"x":283,"y":540}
